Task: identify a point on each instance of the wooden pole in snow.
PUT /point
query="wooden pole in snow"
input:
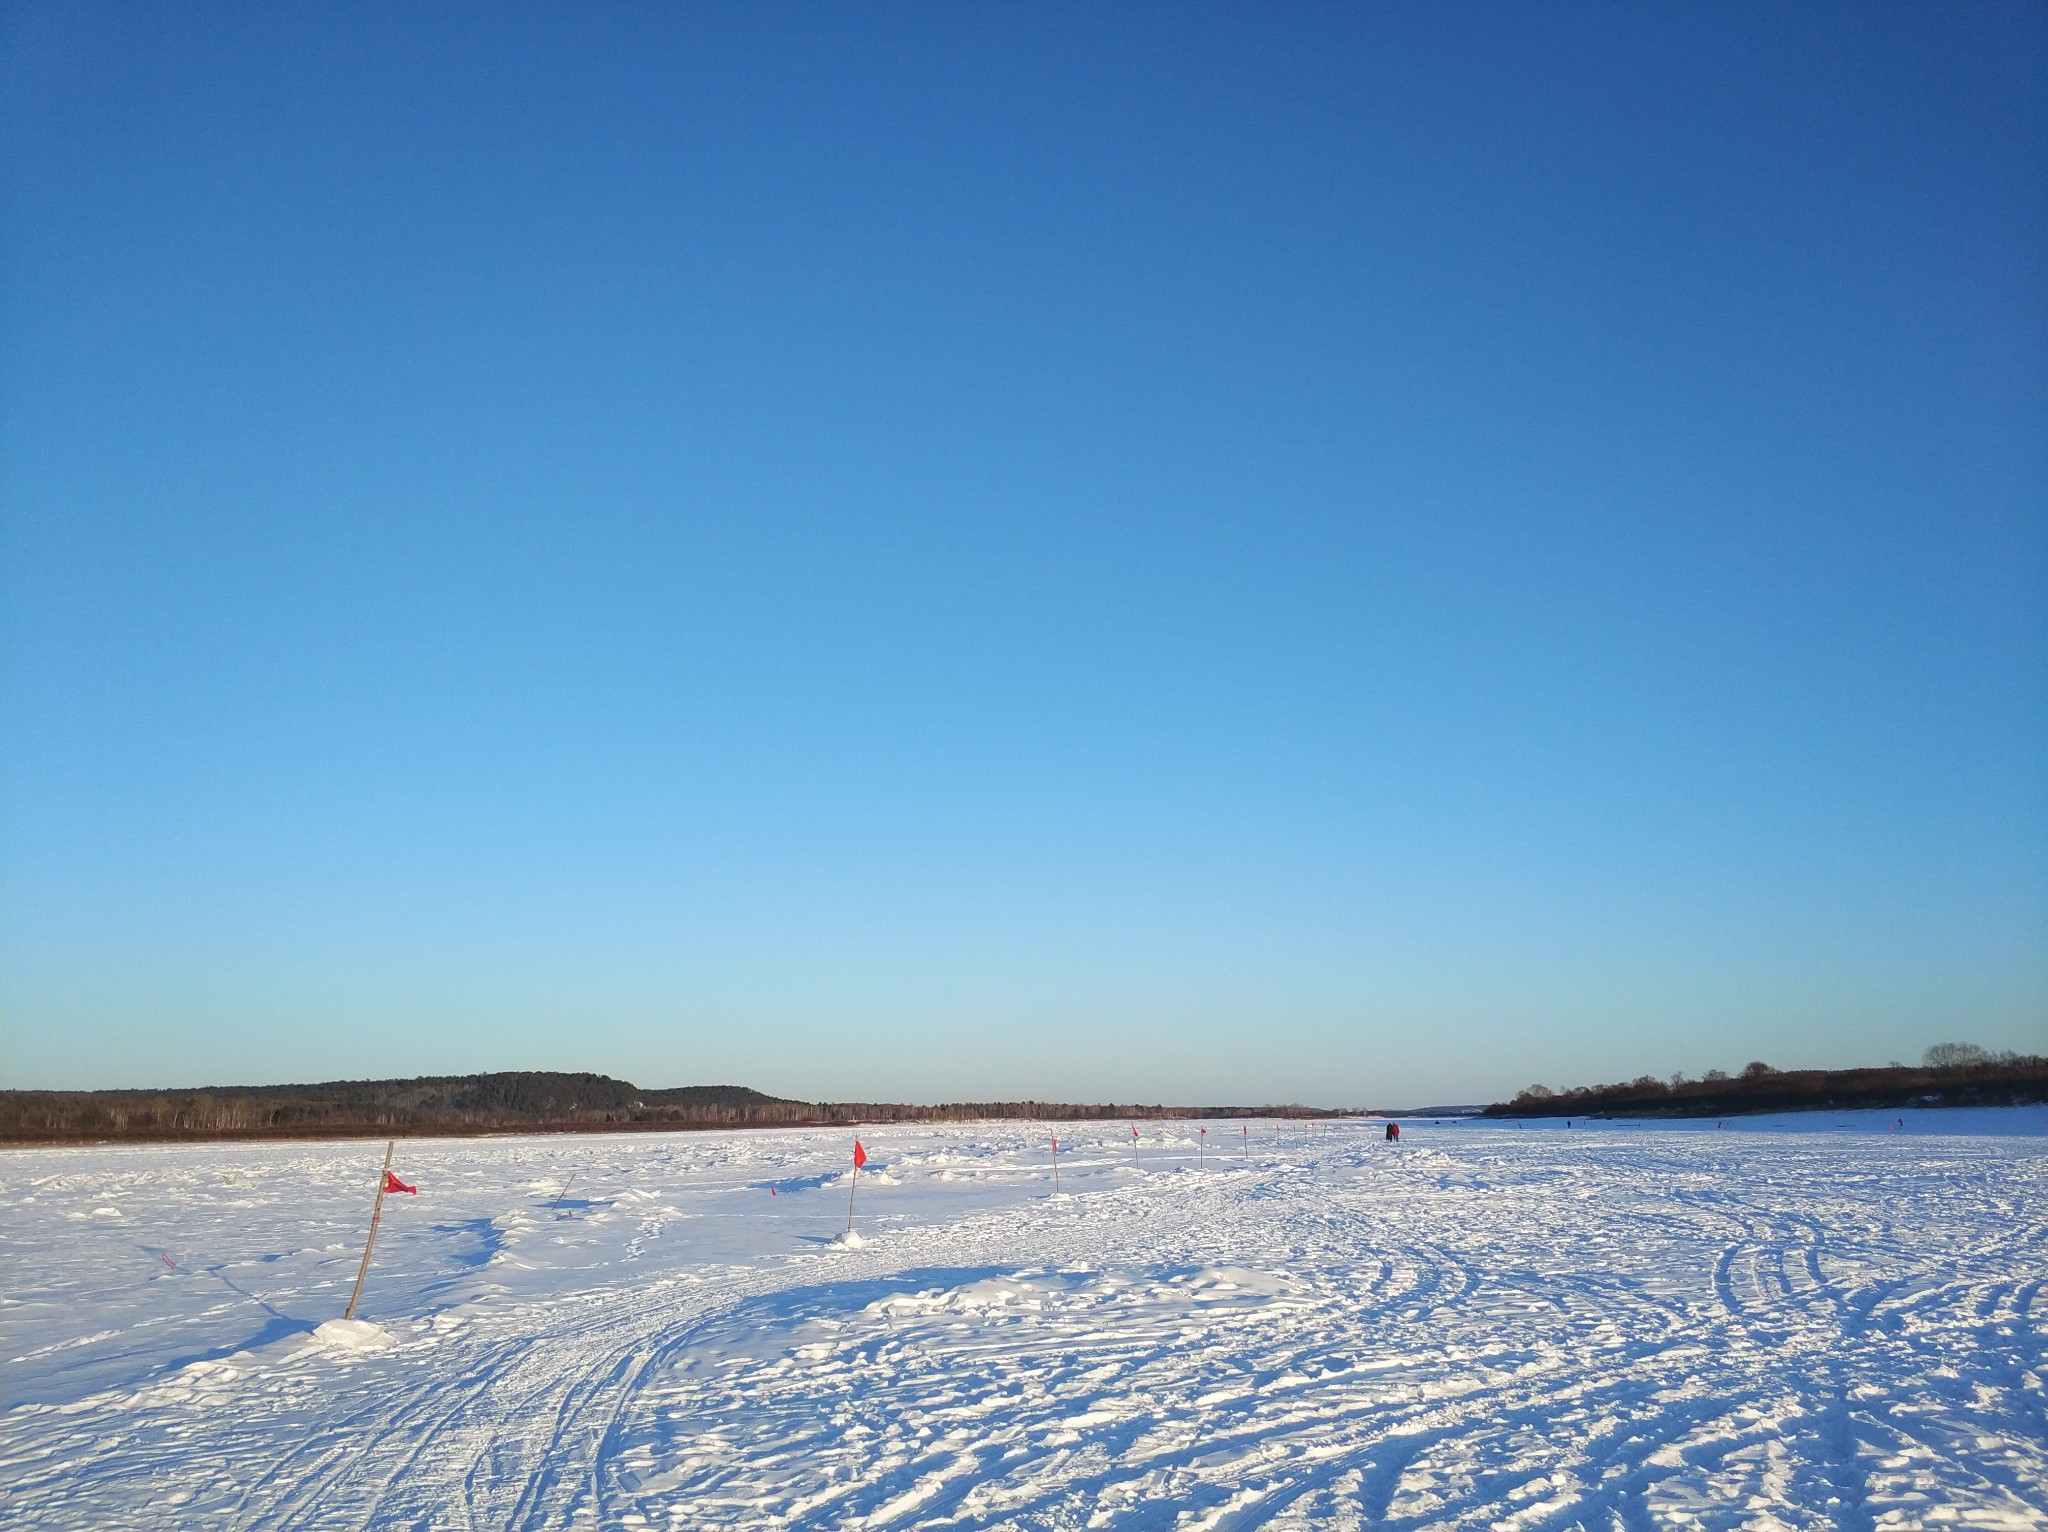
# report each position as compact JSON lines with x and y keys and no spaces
{"x":849,"y":1198}
{"x":370,"y":1244}
{"x":1055,"y":1164}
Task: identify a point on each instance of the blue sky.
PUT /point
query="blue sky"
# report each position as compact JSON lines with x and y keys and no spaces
{"x":1356,"y":554}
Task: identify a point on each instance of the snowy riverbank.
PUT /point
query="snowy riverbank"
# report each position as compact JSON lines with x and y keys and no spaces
{"x":1813,"y":1320}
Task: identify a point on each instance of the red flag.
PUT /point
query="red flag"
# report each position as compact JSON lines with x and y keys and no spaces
{"x":393,"y":1184}
{"x":1134,"y":1131}
{"x":860,"y":1155}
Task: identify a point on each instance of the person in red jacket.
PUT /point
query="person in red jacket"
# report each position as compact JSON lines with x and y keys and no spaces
{"x":1393,"y":1133}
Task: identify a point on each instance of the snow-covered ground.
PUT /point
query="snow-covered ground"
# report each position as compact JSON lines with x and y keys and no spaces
{"x":1787,"y":1322}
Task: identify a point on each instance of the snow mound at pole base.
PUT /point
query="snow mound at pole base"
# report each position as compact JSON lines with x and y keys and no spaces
{"x":352,"y":1335}
{"x":850,"y":1240}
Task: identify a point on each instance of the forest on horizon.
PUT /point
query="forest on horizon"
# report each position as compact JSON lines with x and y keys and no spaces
{"x":1950,"y":1074}
{"x":530,"y":1101}
{"x":546,"y":1101}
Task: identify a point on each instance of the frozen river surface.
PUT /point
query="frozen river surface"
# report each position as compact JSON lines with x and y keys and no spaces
{"x":1809,"y":1322}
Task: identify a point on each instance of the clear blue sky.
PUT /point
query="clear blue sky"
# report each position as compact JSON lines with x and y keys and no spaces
{"x":1360,"y":554}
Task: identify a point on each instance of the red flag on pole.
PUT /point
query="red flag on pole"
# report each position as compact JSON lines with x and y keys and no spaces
{"x":860,"y":1158}
{"x":393,"y":1184}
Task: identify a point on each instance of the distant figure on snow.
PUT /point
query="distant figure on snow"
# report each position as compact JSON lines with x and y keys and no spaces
{"x":1393,"y":1133}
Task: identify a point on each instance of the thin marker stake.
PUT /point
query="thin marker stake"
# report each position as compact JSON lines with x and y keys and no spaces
{"x":564,"y":1191}
{"x":370,"y":1244}
{"x":1055,"y":1164}
{"x":860,"y":1158}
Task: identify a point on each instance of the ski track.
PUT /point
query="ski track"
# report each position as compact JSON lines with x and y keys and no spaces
{"x":1602,"y":1329}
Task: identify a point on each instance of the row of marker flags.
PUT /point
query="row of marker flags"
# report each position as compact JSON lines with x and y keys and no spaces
{"x":860,"y":1158}
{"x":391,"y":1183}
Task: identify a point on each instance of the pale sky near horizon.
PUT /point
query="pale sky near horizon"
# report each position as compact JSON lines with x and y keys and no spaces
{"x":1366,"y":555}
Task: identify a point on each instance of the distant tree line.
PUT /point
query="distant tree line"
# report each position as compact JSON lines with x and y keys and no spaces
{"x":518,"y":1101}
{"x":1051,"y":1111}
{"x":1951,"y":1074}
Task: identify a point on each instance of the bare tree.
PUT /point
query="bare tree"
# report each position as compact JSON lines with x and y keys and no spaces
{"x":1955,"y":1055}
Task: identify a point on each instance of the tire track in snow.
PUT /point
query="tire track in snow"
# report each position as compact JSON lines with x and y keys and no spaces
{"x":1690,"y":1433}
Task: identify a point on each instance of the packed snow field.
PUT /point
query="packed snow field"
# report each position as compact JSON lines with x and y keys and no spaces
{"x":1792,"y":1322}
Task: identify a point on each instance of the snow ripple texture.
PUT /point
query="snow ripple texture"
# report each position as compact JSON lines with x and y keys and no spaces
{"x":1802,"y":1323}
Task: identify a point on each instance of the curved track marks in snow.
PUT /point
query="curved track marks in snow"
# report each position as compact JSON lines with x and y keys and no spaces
{"x":1382,"y":1358}
{"x":1600,"y":1329}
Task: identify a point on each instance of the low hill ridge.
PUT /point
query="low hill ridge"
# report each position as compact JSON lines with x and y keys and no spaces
{"x":510,"y":1101}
